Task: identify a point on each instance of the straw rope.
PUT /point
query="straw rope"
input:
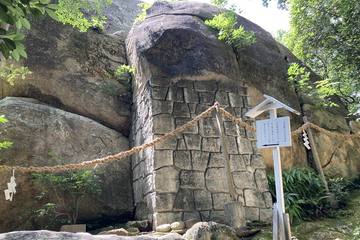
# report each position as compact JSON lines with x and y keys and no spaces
{"x":158,"y":140}
{"x":110,"y":158}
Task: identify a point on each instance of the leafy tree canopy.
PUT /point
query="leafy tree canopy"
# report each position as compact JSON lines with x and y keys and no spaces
{"x":325,"y":34}
{"x":14,"y":16}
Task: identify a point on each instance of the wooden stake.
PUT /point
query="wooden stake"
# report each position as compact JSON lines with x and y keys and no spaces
{"x":316,"y":157}
{"x":229,"y":177}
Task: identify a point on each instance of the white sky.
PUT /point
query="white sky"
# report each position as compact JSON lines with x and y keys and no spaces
{"x":270,"y":18}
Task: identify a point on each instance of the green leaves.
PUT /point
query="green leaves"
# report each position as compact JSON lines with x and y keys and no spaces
{"x":14,"y":16}
{"x":324,"y":34}
{"x":144,"y":6}
{"x":4,"y":144}
{"x":226,"y":24}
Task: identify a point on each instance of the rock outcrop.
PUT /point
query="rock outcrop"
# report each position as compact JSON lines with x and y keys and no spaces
{"x":45,"y":136}
{"x":48,"y":235}
{"x":74,"y":71}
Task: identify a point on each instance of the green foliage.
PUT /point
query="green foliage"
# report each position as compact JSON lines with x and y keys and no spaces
{"x":305,"y":195}
{"x":144,"y":6}
{"x":69,"y":188}
{"x":4,"y":144}
{"x":71,"y":12}
{"x":324,"y":34}
{"x":234,"y":36}
{"x":220,"y":3}
{"x":123,"y":73}
{"x":14,"y":16}
{"x":10,"y":73}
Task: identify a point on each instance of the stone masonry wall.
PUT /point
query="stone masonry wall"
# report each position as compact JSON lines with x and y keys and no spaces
{"x":185,"y":177}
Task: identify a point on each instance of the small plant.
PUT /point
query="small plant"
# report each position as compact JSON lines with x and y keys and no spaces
{"x":123,"y":73}
{"x":4,"y":144}
{"x":144,"y":6}
{"x":11,"y":73}
{"x":234,"y":36}
{"x":304,"y":193}
{"x":69,"y":189}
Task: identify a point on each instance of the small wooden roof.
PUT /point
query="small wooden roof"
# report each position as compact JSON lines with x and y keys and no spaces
{"x":268,"y":104}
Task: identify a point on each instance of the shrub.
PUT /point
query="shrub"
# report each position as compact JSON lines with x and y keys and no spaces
{"x":304,"y":193}
{"x":4,"y":144}
{"x":69,"y":189}
{"x":234,"y":36}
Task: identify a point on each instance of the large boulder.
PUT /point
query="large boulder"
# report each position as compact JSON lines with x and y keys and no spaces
{"x":45,"y":136}
{"x":210,"y":231}
{"x":74,"y":71}
{"x":48,"y":235}
{"x":174,"y":42}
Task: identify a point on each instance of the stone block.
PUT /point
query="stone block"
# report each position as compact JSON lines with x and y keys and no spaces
{"x":191,"y":217}
{"x":149,"y":184}
{"x":246,"y":102}
{"x":237,"y":163}
{"x":181,"y":121}
{"x":268,"y":199}
{"x":261,"y":180}
{"x":192,"y":179}
{"x":166,"y":218}
{"x":169,"y":144}
{"x":175,"y":94}
{"x":216,"y":180}
{"x":232,"y":145}
{"x":217,"y":160}
{"x":244,"y":180}
{"x":205,"y":216}
{"x":199,"y":160}
{"x":150,"y":202}
{"x":167,"y":179}
{"x":207,"y":97}
{"x":159,"y":82}
{"x":231,"y":129}
{"x":266,"y":215}
{"x":181,"y":110}
{"x":185,"y":84}
{"x":219,"y":199}
{"x":257,"y":161}
{"x":252,"y":214}
{"x":181,"y":144}
{"x":163,"y":124}
{"x":191,"y":96}
{"x":205,"y":86}
{"x":253,"y":198}
{"x":222,"y":98}
{"x":159,"y":107}
{"x":240,"y":196}
{"x":164,"y":202}
{"x":182,"y":159}
{"x":242,"y":90}
{"x":217,"y":216}
{"x":228,"y":86}
{"x":211,"y":144}
{"x":209,"y":127}
{"x":203,"y":107}
{"x":184,"y":200}
{"x":245,"y":146}
{"x":236,"y":100}
{"x":203,"y":200}
{"x":159,"y":93}
{"x":193,"y":142}
{"x":192,"y":108}
{"x":139,"y":170}
{"x":247,"y":159}
{"x":163,"y":158}
{"x":138,"y":190}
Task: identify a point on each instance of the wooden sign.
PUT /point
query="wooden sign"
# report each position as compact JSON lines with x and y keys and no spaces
{"x":273,"y":132}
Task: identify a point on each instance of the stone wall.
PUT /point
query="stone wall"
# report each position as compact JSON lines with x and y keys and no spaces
{"x":185,"y":177}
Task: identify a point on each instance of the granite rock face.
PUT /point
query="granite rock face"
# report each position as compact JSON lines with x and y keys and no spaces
{"x":48,"y":235}
{"x":182,"y":70}
{"x":45,"y":136}
{"x":73,"y":71}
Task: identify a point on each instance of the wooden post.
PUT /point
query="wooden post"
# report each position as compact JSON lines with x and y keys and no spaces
{"x":316,"y":157}
{"x":229,"y":178}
